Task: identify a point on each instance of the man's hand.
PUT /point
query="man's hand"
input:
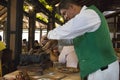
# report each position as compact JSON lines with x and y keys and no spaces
{"x":47,"y":43}
{"x":50,"y":44}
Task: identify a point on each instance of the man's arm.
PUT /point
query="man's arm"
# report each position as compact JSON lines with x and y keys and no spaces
{"x":48,"y":43}
{"x":66,"y":42}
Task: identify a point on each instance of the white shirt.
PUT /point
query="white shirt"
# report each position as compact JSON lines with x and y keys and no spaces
{"x":68,"y":56}
{"x":86,"y":21}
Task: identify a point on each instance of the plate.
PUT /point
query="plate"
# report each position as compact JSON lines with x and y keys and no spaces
{"x":68,"y":70}
{"x":45,"y":78}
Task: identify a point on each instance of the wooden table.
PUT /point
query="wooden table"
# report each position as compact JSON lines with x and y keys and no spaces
{"x":56,"y":75}
{"x":48,"y":74}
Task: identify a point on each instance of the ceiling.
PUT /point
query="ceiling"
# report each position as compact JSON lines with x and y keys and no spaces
{"x":3,"y":13}
{"x":53,"y":2}
{"x":103,"y":5}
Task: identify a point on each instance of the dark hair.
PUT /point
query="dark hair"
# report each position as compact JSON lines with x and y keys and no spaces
{"x":36,"y":41}
{"x":0,"y":38}
{"x":24,"y":40}
{"x":37,"y":47}
{"x":64,"y":4}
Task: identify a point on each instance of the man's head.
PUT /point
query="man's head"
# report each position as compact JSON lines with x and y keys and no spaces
{"x":0,"y":38}
{"x":69,"y":8}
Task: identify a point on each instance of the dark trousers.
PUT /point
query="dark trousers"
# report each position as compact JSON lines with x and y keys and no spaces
{"x":85,"y":78}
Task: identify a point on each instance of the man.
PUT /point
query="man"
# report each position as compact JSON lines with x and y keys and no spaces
{"x":88,"y":29}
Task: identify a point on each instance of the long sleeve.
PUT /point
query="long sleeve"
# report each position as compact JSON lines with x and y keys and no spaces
{"x":86,"y":21}
{"x":65,"y":42}
{"x":2,"y":46}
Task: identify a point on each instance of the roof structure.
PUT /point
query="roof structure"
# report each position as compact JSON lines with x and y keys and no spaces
{"x":103,"y":5}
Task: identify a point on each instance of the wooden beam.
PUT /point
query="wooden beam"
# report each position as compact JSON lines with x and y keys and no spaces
{"x":3,"y":3}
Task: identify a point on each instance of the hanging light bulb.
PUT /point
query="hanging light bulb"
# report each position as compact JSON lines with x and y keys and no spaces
{"x":31,"y":8}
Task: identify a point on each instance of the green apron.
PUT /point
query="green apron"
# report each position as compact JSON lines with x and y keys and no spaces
{"x":94,"y":49}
